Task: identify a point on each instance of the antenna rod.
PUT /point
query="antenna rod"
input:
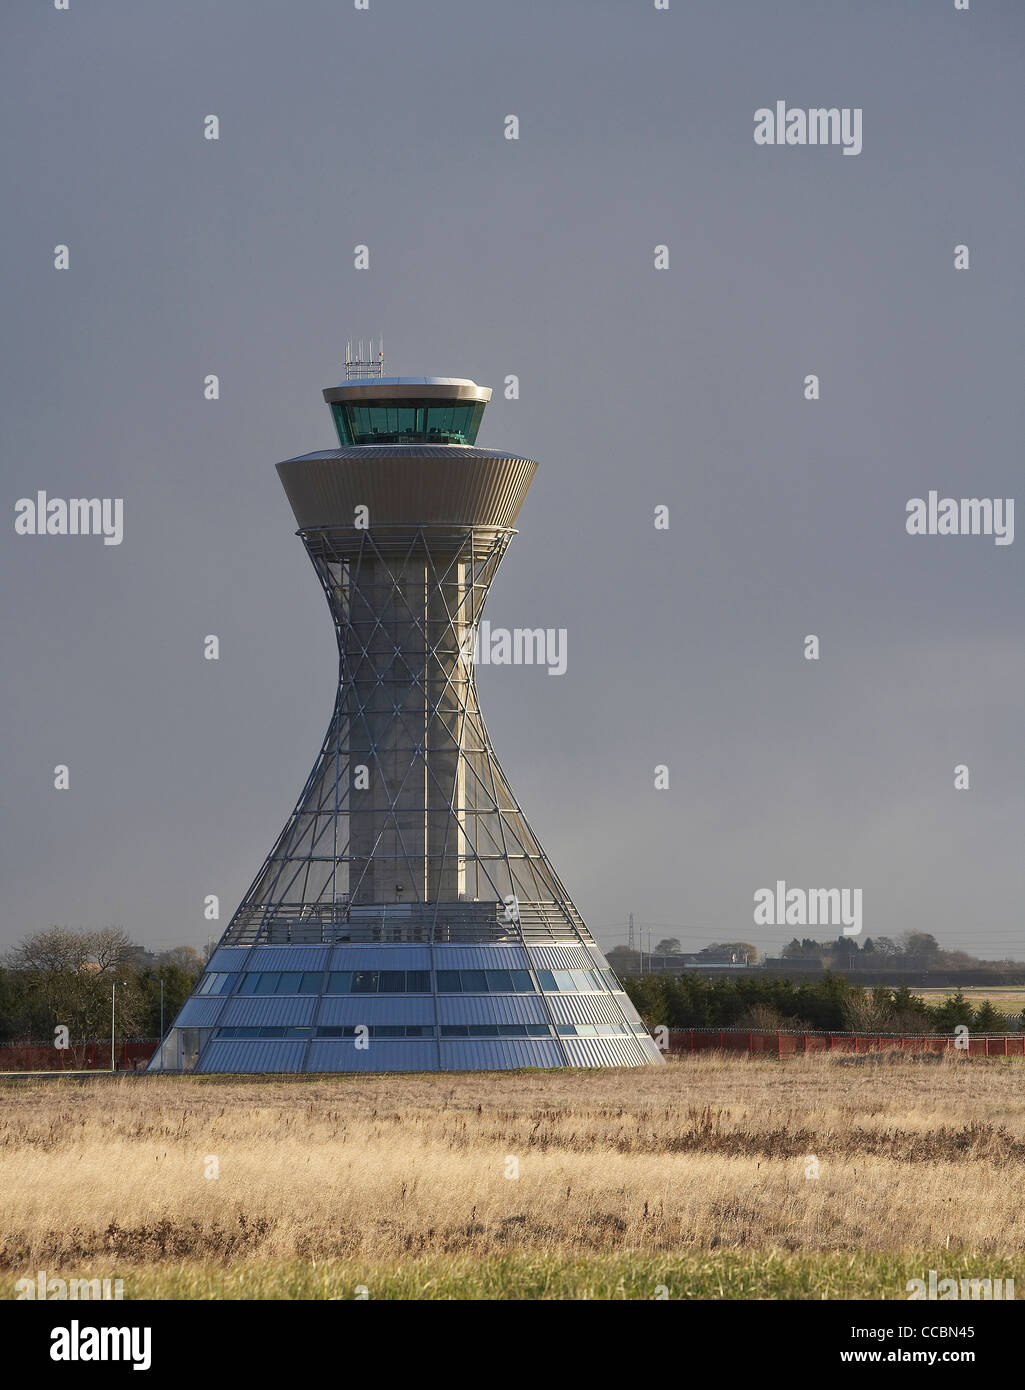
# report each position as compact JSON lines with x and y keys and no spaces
{"x":361,"y":366}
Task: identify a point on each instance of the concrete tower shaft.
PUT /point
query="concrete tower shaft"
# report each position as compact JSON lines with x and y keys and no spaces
{"x":405,"y":604}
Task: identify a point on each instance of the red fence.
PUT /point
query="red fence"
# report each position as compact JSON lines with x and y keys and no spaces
{"x":132,"y":1056}
{"x":787,"y":1044}
{"x":90,"y":1056}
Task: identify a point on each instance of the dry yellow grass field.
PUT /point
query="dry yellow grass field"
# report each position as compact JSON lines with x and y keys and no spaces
{"x":708,"y":1155}
{"x":1008,"y":999}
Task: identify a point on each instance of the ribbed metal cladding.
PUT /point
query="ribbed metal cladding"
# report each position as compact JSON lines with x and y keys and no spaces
{"x":480,"y":958}
{"x":563,"y":958}
{"x":253,"y":1056}
{"x":402,"y":484}
{"x":288,"y":958}
{"x":351,"y":1009}
{"x":200,"y":1013}
{"x":585,"y":1008}
{"x":228,"y":958}
{"x":381,"y":958}
{"x":498,"y":1054}
{"x":291,"y":1011}
{"x":388,"y":1055}
{"x":603,"y":1052}
{"x":495,"y":1008}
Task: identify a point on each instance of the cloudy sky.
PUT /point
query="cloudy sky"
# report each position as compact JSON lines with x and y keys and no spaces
{"x":681,"y":387}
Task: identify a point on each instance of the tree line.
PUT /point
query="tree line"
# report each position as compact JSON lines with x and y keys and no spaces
{"x":828,"y":1004}
{"x":912,"y":950}
{"x":61,"y":977}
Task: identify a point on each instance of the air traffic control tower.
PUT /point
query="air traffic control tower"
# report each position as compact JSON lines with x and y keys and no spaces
{"x":407,"y":919}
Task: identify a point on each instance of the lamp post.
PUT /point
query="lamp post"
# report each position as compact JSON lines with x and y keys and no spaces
{"x":161,"y":1044}
{"x":113,"y":994}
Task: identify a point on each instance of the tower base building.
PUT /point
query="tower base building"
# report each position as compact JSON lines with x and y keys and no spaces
{"x":407,"y":919}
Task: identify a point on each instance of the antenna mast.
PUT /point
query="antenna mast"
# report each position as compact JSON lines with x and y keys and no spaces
{"x":359,"y":368}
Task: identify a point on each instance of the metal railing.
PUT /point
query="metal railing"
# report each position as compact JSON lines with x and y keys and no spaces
{"x":408,"y":923}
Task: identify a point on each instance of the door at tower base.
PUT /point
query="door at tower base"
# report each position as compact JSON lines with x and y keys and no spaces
{"x":407,"y":917}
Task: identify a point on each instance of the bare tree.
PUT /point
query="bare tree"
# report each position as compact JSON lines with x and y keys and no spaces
{"x":73,"y":973}
{"x":112,"y":949}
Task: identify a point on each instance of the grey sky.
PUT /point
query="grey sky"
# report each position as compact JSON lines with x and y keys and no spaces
{"x":639,"y":387}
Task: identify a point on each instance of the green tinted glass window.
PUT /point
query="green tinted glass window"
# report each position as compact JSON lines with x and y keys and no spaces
{"x":402,"y":422}
{"x":341,"y":424}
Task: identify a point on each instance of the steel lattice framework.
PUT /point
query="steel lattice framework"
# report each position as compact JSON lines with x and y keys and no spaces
{"x":407,"y":829}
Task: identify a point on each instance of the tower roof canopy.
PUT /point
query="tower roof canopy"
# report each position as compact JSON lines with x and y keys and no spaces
{"x":360,"y":384}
